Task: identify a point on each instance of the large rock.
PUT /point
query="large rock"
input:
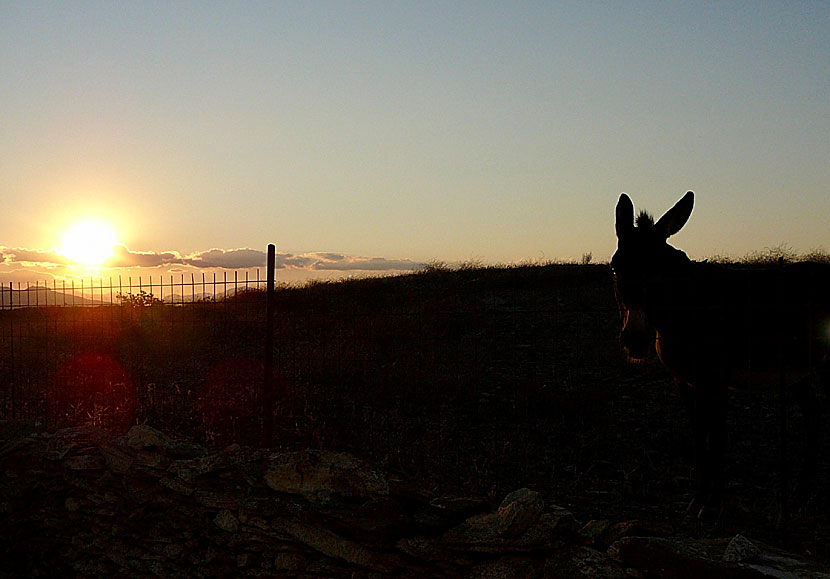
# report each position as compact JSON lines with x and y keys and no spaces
{"x":577,"y":562}
{"x":688,"y":559}
{"x":333,"y":545}
{"x":80,"y":502}
{"x":518,"y":525}
{"x":143,"y":436}
{"x":318,"y":473}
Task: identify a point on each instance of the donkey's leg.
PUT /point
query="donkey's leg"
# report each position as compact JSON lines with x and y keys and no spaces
{"x":809,"y":404}
{"x":709,"y":423}
{"x":716,"y":446}
{"x":692,"y":397}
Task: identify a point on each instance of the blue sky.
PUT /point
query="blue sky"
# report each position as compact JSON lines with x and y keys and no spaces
{"x":392,"y":133}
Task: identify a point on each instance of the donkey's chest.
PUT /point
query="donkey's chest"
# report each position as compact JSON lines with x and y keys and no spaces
{"x":749,"y":364}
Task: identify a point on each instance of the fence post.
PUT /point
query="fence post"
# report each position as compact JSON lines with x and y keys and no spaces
{"x":268,"y":383}
{"x":783,"y":458}
{"x":11,"y":352}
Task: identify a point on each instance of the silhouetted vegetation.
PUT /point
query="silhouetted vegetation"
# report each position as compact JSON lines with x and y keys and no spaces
{"x":474,"y":379}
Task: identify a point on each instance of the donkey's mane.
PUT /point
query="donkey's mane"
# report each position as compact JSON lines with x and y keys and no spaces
{"x":645,"y":220}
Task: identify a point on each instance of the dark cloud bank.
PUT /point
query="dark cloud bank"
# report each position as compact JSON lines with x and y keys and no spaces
{"x":244,"y":258}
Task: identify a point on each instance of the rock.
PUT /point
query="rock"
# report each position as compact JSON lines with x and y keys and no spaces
{"x":516,"y":526}
{"x":85,"y":462}
{"x":215,"y":500}
{"x":772,"y":562}
{"x":177,"y":485}
{"x":313,"y":473}
{"x":676,"y":558}
{"x":289,"y":562}
{"x":577,"y":561}
{"x":143,"y":436}
{"x":639,"y":528}
{"x":463,"y":505}
{"x":99,"y":507}
{"x":333,"y":545}
{"x":422,"y":548}
{"x":72,"y":504}
{"x":688,"y":558}
{"x":151,"y":459}
{"x":183,"y":449}
{"x":380,"y":521}
{"x":740,"y":549}
{"x":226,"y":521}
{"x":594,"y":532}
{"x":188,"y":470}
{"x":509,"y":567}
{"x":118,"y":458}
{"x":518,"y":511}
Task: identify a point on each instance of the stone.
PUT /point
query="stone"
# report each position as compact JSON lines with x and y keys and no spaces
{"x":215,"y":500}
{"x":741,"y":549}
{"x":689,"y":558}
{"x":94,"y":510}
{"x":509,"y":567}
{"x":423,"y":548}
{"x":380,"y":520}
{"x":665,"y":557}
{"x":143,"y":436}
{"x":85,"y":462}
{"x":184,"y":450}
{"x":226,"y":521}
{"x":333,"y":545}
{"x":289,"y":562}
{"x":580,"y":561}
{"x":118,"y":458}
{"x":177,"y":485}
{"x":314,"y":473}
{"x":594,"y":531}
{"x":516,"y":526}
{"x":151,"y":459}
{"x":190,"y":469}
{"x":462,"y":505}
{"x":519,"y":511}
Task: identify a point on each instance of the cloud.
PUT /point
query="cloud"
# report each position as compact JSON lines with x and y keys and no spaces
{"x":232,"y":259}
{"x":228,"y":258}
{"x":21,"y":255}
{"x":124,"y":257}
{"x":328,"y":256}
{"x":368,"y":264}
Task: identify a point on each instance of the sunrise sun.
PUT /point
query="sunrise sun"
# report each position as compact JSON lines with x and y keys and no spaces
{"x":89,"y":243}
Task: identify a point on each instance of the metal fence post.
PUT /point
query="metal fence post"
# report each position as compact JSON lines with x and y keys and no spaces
{"x":268,"y":383}
{"x":783,"y":458}
{"x":11,"y":351}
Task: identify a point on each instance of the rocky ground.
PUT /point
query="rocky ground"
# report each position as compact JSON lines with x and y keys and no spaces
{"x":80,"y":502}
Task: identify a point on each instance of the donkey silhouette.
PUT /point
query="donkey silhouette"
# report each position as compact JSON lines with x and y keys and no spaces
{"x":716,"y":327}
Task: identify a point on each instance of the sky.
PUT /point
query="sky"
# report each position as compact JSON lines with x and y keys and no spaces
{"x":371,"y":137}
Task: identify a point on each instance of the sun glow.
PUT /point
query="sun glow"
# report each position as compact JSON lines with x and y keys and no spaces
{"x":89,"y":243}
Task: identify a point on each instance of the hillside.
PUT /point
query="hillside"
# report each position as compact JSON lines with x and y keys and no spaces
{"x":474,"y":382}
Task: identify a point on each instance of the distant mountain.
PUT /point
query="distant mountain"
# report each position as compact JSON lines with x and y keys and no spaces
{"x":44,"y":296}
{"x":41,"y":296}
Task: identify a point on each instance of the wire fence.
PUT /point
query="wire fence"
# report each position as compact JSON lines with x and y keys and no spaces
{"x":489,"y":376}
{"x":84,"y":292}
{"x":348,"y":357}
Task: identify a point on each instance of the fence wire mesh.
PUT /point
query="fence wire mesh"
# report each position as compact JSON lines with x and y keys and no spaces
{"x":506,"y":373}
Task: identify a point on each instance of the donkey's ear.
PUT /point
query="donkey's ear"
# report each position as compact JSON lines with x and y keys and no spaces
{"x":625,"y":216}
{"x":676,"y":217}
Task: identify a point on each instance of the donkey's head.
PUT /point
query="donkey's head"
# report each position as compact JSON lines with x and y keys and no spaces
{"x":642,"y":257}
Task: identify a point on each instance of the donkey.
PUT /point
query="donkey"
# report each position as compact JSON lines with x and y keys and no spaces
{"x":716,"y":327}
